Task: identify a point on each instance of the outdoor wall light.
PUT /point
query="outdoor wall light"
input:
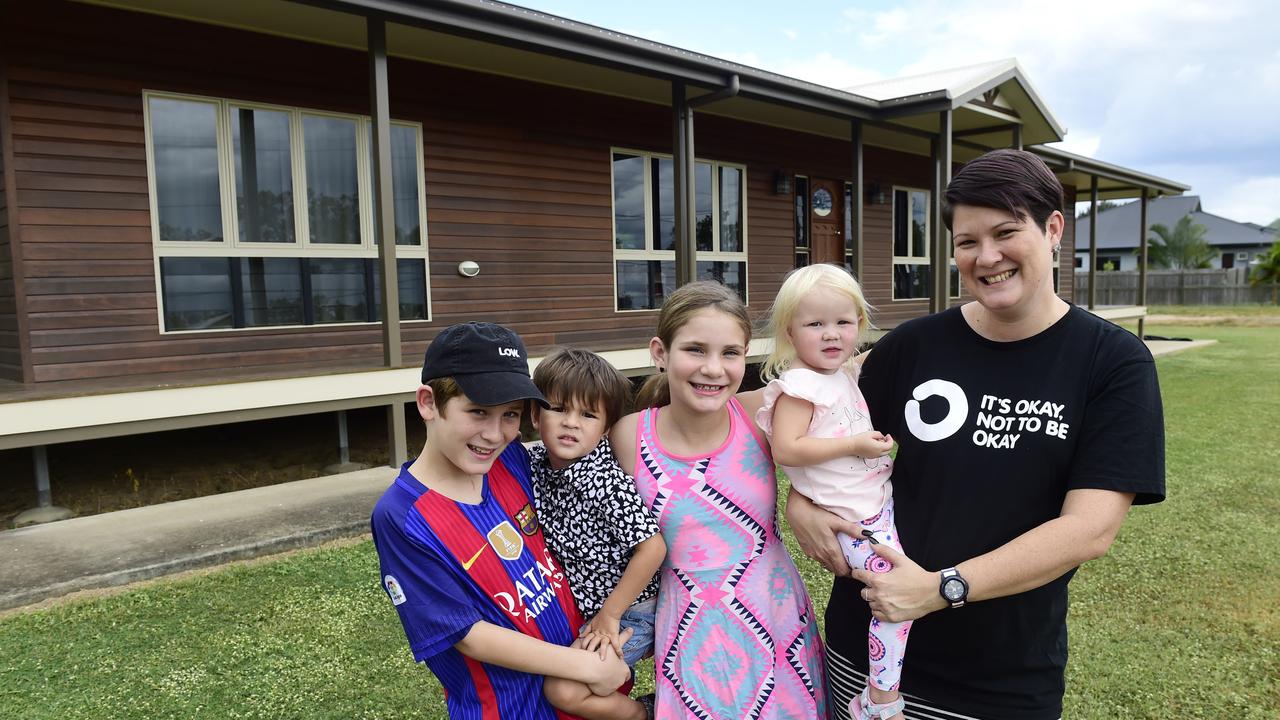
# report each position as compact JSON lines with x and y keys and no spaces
{"x":468,"y":268}
{"x":876,"y":194}
{"x":781,"y":182}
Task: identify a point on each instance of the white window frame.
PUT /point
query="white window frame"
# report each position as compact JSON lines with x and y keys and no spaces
{"x":649,"y":252}
{"x":302,"y":247}
{"x":893,"y":224}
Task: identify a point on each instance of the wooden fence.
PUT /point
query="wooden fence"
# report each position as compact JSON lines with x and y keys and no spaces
{"x":1174,"y":287}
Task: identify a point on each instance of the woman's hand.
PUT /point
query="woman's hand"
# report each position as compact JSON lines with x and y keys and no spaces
{"x":905,"y":592}
{"x":815,"y":529}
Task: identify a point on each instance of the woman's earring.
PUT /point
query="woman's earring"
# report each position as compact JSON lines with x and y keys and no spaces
{"x":661,"y":369}
{"x":1057,"y":249}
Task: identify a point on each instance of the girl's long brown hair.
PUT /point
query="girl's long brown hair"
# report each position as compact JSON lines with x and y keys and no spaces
{"x":679,"y":306}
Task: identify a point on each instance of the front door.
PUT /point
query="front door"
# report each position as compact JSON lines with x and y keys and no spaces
{"x":826,"y":218}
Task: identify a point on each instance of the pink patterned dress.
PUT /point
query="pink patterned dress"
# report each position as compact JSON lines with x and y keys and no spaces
{"x":736,"y":635}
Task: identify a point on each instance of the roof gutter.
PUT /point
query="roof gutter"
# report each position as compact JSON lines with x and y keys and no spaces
{"x":547,"y":34}
{"x":1069,"y":162}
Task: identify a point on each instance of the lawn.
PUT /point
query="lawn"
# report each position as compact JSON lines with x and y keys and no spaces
{"x":1180,"y":620}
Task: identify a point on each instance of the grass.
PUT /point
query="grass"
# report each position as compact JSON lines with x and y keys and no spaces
{"x":1179,"y":620}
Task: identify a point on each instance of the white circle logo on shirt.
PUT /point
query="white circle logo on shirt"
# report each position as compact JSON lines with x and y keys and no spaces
{"x":957,"y":411}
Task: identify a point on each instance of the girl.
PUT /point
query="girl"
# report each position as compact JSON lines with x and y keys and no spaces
{"x":822,"y":437}
{"x":736,"y":635}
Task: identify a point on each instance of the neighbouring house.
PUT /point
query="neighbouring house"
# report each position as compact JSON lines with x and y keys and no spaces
{"x":194,"y":196}
{"x":1236,"y":243}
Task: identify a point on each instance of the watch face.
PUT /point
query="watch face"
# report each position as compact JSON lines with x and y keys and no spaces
{"x":953,"y":590}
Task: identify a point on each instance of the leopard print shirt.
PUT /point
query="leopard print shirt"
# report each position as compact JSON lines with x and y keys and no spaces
{"x":592,"y":518}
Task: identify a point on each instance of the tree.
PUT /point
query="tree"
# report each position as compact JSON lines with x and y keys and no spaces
{"x":1275,"y":224}
{"x":1183,"y":248}
{"x":1104,"y":205}
{"x":1267,"y":271}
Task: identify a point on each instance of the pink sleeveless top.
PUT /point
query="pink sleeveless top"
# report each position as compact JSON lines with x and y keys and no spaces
{"x":716,"y":509}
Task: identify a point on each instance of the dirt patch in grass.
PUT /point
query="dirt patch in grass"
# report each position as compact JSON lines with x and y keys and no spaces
{"x":1228,"y":320}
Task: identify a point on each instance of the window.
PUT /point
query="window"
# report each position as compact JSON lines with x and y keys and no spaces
{"x":644,"y":226}
{"x":264,"y":215}
{"x":802,"y":221}
{"x":848,"y":228}
{"x":911,"y":272}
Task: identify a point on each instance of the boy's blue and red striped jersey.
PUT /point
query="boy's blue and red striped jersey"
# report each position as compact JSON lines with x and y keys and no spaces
{"x":447,"y":565}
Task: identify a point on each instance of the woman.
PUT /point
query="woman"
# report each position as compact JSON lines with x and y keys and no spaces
{"x":1026,"y":428}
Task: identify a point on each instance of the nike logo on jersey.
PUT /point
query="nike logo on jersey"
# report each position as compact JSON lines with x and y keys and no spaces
{"x":467,"y":565}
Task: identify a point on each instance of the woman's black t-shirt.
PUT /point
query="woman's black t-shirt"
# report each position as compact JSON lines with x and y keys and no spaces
{"x":992,"y":435}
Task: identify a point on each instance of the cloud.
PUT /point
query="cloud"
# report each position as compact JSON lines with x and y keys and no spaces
{"x":1190,"y":87}
{"x":1255,"y":199}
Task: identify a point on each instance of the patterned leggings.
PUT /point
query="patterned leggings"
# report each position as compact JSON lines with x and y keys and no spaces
{"x":886,"y":641}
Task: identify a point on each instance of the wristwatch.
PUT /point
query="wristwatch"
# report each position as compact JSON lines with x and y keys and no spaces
{"x":953,"y":589}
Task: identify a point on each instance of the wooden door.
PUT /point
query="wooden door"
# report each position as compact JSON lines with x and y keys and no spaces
{"x":826,"y":220}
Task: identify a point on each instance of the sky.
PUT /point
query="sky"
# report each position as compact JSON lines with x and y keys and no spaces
{"x":1187,"y":90}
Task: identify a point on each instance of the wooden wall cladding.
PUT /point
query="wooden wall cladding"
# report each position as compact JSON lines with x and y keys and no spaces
{"x":517,"y":178}
{"x":10,"y":348}
{"x":10,"y":332}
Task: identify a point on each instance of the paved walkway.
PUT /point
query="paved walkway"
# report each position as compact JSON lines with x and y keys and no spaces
{"x":45,"y":561}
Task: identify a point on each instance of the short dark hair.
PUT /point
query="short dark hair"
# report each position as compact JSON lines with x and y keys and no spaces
{"x":1012,"y":180}
{"x":443,"y":390}
{"x":581,"y":377}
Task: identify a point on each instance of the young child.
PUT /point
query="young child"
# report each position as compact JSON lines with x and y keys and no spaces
{"x":736,"y":636}
{"x":463,"y":560}
{"x":595,"y":523}
{"x":822,"y":437}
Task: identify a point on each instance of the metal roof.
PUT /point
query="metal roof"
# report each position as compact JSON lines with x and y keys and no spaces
{"x":1118,"y":226}
{"x":989,"y":99}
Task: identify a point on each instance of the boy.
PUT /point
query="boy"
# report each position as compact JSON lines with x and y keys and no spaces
{"x":596,"y":524}
{"x":463,"y":560}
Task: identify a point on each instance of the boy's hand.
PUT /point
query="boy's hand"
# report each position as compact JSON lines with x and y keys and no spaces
{"x":613,"y":672}
{"x":600,"y":643}
{"x":872,"y":444}
{"x":606,"y":624}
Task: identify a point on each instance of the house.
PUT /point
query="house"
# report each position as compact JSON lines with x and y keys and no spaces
{"x":1236,"y":243}
{"x":207,"y":205}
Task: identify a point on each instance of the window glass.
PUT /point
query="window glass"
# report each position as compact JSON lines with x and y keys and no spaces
{"x":665,"y":198}
{"x":901,"y":224}
{"x":197,"y":293}
{"x":333,"y":194}
{"x":264,"y":176}
{"x":802,"y":212}
{"x":404,"y":183}
{"x":644,"y":283}
{"x":730,"y":209}
{"x":184,"y":143}
{"x":411,"y":279}
{"x":271,"y":291}
{"x":339,"y":291}
{"x":628,"y":201}
{"x":910,"y":281}
{"x":702,"y":207}
{"x":732,"y":275}
{"x":919,"y":224}
{"x":848,"y":226}
{"x":955,"y":281}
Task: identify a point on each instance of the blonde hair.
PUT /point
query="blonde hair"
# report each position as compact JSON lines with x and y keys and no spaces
{"x":677,"y":309}
{"x":799,"y":283}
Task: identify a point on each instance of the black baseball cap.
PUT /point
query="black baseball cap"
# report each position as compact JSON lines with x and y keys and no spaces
{"x":488,"y":362}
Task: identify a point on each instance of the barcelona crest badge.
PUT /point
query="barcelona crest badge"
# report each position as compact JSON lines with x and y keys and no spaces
{"x":527,"y":520}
